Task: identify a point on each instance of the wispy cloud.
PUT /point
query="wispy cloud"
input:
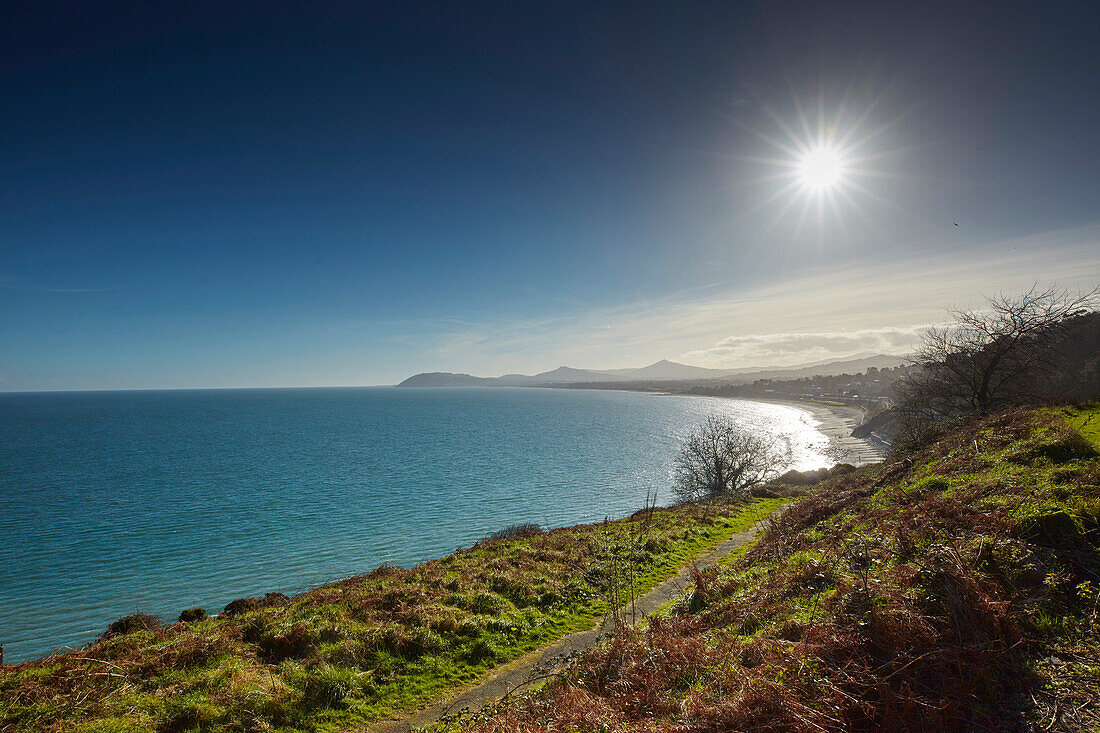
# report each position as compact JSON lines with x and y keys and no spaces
{"x":868,"y":305}
{"x":788,"y":348}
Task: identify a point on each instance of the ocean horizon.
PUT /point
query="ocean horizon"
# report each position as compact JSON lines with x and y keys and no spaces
{"x":157,"y":501}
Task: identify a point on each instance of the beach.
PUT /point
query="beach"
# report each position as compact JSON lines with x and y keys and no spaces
{"x":837,"y":423}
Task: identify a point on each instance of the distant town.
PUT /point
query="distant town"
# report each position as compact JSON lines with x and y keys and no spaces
{"x":869,"y":390}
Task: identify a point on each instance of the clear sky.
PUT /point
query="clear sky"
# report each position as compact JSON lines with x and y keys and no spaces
{"x":264,"y":194}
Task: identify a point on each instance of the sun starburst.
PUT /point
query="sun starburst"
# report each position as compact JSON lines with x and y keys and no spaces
{"x":821,"y":168}
{"x":819,"y":160}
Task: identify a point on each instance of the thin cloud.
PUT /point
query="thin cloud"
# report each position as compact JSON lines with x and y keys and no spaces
{"x":785,"y":348}
{"x":871,"y":305}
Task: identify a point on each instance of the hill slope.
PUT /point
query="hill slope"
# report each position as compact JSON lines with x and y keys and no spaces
{"x":955,"y":590}
{"x":351,"y":652}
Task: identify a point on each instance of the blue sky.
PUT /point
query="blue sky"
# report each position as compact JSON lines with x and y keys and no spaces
{"x":213,"y":194}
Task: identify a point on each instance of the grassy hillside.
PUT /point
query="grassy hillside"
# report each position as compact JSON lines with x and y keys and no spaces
{"x":352,"y":651}
{"x":955,"y":590}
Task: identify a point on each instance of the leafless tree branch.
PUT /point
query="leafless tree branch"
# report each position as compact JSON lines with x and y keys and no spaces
{"x":993,"y":357}
{"x":720,"y":459}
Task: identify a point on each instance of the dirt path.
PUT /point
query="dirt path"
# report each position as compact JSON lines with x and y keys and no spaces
{"x":540,"y":663}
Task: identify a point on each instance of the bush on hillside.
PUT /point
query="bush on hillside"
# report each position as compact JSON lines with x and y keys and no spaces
{"x":245,"y":605}
{"x":521,"y":529}
{"x":191,"y":615}
{"x":133,"y":622}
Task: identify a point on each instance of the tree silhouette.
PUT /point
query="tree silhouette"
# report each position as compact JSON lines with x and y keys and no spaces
{"x":720,"y":459}
{"x":991,"y":358}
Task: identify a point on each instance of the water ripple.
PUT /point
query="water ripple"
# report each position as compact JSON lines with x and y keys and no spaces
{"x":158,"y":501}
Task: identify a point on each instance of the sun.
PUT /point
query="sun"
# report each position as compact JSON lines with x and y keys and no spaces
{"x":818,"y":164}
{"x":821,"y":168}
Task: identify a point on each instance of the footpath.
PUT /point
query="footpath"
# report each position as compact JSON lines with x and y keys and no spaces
{"x":542,"y":663}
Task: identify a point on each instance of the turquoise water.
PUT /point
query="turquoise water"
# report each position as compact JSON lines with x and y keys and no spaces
{"x":114,"y":502}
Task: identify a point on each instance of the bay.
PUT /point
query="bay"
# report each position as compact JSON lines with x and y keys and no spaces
{"x":116,"y":502}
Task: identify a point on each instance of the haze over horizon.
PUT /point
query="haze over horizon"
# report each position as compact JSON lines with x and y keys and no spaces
{"x":215,"y":196}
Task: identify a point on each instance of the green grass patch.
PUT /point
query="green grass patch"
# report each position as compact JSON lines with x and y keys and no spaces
{"x":1086,"y":421}
{"x":357,"y":650}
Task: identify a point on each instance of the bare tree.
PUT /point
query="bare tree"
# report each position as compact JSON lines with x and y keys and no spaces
{"x":720,"y":459}
{"x":991,"y":358}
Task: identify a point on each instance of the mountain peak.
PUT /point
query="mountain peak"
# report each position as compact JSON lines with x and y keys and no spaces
{"x":659,"y":371}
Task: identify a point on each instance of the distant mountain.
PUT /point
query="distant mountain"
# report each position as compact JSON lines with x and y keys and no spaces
{"x":561,"y":375}
{"x":831,"y":368}
{"x":447,"y":379}
{"x":749,"y":374}
{"x":568,"y":375}
{"x":661,"y":371}
{"x":669,"y":370}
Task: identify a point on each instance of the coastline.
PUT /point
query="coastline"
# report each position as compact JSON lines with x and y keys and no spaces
{"x":836,"y":422}
{"x":52,"y":625}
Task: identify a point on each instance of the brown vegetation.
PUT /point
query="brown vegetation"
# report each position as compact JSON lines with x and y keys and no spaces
{"x":952,"y":591}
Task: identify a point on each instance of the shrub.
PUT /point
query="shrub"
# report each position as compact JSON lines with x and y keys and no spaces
{"x":482,"y":650}
{"x":192,"y":615}
{"x":517,"y":591}
{"x":936,"y":484}
{"x":330,"y":686}
{"x":487,"y":603}
{"x":802,"y":478}
{"x":188,"y":713}
{"x":423,"y":640}
{"x":385,"y":570}
{"x":353,"y":652}
{"x":1062,"y":445}
{"x":298,"y":642}
{"x":522,"y":529}
{"x":133,"y":622}
{"x":244,"y":605}
{"x":1051,"y":526}
{"x":254,"y":629}
{"x":241,"y":606}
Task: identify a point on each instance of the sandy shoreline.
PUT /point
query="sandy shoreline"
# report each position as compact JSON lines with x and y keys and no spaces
{"x":837,"y":423}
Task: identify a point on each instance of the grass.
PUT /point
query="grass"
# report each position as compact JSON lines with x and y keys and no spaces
{"x":1085,"y":421}
{"x":357,"y":650}
{"x":955,"y":589}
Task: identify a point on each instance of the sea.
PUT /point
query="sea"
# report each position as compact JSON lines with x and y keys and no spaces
{"x":156,"y":501}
